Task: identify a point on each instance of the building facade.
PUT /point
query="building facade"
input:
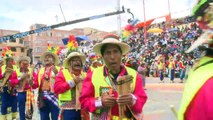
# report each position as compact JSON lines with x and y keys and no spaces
{"x":35,"y":45}
{"x":17,"y":46}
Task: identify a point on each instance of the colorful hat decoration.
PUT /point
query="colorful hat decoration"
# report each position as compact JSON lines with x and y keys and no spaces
{"x":55,"y":50}
{"x":72,"y":44}
{"x":92,"y":57}
{"x":7,"y":53}
{"x":51,"y":51}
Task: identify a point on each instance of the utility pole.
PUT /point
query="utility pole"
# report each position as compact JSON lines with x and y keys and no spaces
{"x":169,"y":9}
{"x":118,"y":19}
{"x":56,"y":18}
{"x":62,"y":13}
{"x":144,"y":18}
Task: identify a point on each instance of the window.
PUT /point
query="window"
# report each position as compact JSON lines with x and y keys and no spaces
{"x":37,"y":41}
{"x":21,"y":40}
{"x":13,"y":49}
{"x":38,"y":49}
{"x":22,"y":49}
{"x":12,"y":40}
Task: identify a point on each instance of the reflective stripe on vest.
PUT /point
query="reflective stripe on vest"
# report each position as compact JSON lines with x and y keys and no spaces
{"x":171,"y":64}
{"x":195,"y":81}
{"x":98,"y":81}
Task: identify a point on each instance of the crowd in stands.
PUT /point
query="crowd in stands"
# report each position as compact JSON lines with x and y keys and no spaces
{"x":175,"y":39}
{"x":172,"y":42}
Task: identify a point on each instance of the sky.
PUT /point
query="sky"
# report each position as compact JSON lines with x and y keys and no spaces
{"x":21,"y":14}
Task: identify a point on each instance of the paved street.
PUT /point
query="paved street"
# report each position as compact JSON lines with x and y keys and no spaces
{"x":160,"y":97}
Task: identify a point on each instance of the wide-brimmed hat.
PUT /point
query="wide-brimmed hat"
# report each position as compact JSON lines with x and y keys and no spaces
{"x":74,"y":54}
{"x":111,"y":40}
{"x":22,"y":58}
{"x":50,"y":53}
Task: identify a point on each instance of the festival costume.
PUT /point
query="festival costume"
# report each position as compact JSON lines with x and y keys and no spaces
{"x":26,"y":100}
{"x":197,"y":97}
{"x":8,"y":95}
{"x":66,"y":88}
{"x":182,"y":70}
{"x":171,"y":66}
{"x":47,"y":99}
{"x":161,"y":66}
{"x":101,"y":82}
{"x":96,"y":83}
{"x":67,"y":94}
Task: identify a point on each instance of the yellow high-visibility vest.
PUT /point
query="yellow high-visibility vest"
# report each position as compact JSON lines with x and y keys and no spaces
{"x":3,"y":68}
{"x":67,"y":96}
{"x":195,"y":81}
{"x":98,"y":81}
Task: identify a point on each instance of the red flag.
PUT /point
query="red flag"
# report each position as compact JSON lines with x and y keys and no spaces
{"x":147,"y":23}
{"x":168,"y":17}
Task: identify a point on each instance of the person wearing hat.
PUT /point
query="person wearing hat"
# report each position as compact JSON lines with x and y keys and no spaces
{"x":95,"y":63}
{"x":142,"y":71}
{"x":161,"y":68}
{"x":68,"y":86}
{"x":171,"y":66}
{"x":99,"y":92}
{"x":197,"y":97}
{"x":1,"y":64}
{"x":8,"y":75}
{"x":47,"y":99}
{"x":25,"y":96}
{"x":182,"y":69}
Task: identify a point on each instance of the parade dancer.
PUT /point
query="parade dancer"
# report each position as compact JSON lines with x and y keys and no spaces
{"x":68,"y":86}
{"x":197,"y":96}
{"x":182,"y":70}
{"x":171,"y":66}
{"x":26,"y":76}
{"x":8,"y":74}
{"x":99,"y":91}
{"x":161,"y":66}
{"x":47,"y":99}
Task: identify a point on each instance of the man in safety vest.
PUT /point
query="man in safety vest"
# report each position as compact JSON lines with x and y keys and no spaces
{"x":8,"y":75}
{"x":171,"y":67}
{"x":197,"y":97}
{"x":100,"y":87}
{"x":47,"y":99}
{"x":26,"y":76}
{"x":68,"y":86}
{"x":182,"y":69}
{"x":161,"y":68}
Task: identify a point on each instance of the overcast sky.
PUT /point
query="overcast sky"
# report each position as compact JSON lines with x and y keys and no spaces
{"x":20,"y":14}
